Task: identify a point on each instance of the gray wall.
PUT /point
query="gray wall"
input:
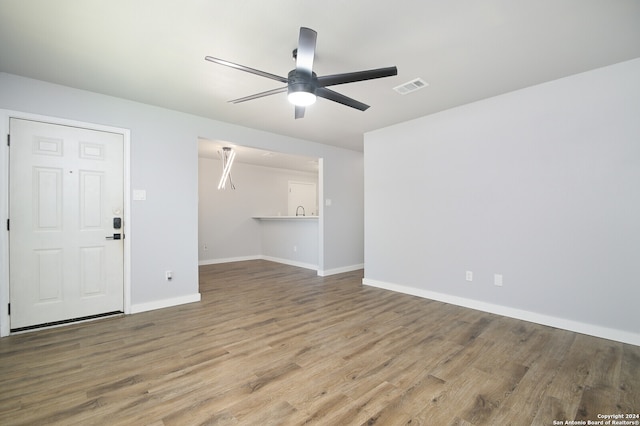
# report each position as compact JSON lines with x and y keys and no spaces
{"x":541,"y":185}
{"x":164,"y":161}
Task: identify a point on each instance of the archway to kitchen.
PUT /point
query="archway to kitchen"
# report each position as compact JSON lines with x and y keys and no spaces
{"x":254,"y":220}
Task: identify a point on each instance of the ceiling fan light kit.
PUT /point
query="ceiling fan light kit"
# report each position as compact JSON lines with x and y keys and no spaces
{"x":303,"y":85}
{"x":300,"y":90}
{"x":301,"y":98}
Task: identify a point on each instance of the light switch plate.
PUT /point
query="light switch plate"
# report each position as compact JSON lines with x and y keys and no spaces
{"x":497,"y":280}
{"x":139,"y":195}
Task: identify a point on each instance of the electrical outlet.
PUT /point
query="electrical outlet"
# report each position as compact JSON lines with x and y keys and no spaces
{"x":295,"y":248}
{"x":469,"y":276}
{"x":205,"y":247}
{"x":497,"y":280}
{"x":168,"y":275}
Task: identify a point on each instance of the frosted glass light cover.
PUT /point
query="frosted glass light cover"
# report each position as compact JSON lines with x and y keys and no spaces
{"x":302,"y":98}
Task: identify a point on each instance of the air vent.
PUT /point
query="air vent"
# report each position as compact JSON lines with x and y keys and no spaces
{"x":410,"y":86}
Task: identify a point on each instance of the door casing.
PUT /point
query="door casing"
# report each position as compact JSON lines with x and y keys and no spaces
{"x":5,"y":116}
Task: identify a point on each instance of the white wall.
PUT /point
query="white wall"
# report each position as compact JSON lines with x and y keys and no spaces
{"x":290,"y":241}
{"x":164,"y":162}
{"x":345,"y":214}
{"x":541,"y":185}
{"x":226,"y":223}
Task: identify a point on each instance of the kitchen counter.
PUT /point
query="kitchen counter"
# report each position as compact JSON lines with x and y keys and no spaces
{"x":285,"y":217}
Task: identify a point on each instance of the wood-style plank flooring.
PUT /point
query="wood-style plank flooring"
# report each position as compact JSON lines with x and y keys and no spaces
{"x":274,"y":344}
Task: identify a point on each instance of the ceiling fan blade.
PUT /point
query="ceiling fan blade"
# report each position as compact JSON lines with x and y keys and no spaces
{"x":351,"y":77}
{"x":246,"y":69}
{"x":306,"y":51}
{"x":299,"y":112}
{"x":259,"y":95}
{"x":323,"y":92}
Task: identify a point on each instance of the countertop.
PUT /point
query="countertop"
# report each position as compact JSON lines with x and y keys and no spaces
{"x":285,"y":217}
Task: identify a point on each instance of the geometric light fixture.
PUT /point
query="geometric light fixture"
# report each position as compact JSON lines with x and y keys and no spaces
{"x":228,"y":155}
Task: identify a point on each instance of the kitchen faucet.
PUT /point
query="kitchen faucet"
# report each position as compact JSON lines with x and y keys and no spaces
{"x":298,"y":208}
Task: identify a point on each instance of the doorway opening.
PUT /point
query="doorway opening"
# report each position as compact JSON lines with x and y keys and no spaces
{"x":254,"y":220}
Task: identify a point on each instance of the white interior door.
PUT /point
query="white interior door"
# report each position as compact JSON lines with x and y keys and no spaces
{"x":66,"y":188}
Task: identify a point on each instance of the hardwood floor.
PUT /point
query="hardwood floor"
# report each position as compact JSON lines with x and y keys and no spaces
{"x":274,"y":344}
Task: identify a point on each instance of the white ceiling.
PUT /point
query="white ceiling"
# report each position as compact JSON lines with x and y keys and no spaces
{"x":258,"y":157}
{"x":153,"y":51}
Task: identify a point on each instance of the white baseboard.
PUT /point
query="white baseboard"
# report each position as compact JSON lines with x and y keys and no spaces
{"x":334,"y":271}
{"x":565,"y":324}
{"x":164,"y":303}
{"x":321,"y":272}
{"x":290,"y":262}
{"x":228,"y":260}
{"x":259,"y":257}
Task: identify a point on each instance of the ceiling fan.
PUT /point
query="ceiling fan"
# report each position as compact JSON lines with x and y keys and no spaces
{"x":302,"y":84}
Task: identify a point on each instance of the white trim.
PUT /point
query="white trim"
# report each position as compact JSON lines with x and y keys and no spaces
{"x":290,"y":262}
{"x":5,"y":325}
{"x":321,"y":273}
{"x":165,"y":303}
{"x":5,"y":116}
{"x":321,"y":213}
{"x":327,"y":272}
{"x":259,"y":257}
{"x":127,"y":226}
{"x":548,"y":320}
{"x":228,"y":260}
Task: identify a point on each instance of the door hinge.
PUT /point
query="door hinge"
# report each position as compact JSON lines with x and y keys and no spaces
{"x":9,"y":308}
{"x":7,"y":224}
{"x":8,"y":140}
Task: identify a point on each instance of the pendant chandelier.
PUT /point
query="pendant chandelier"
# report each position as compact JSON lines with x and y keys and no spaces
{"x":228,"y":155}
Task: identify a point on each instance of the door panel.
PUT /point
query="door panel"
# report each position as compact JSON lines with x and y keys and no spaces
{"x":47,"y":199}
{"x":48,"y":265}
{"x":66,"y":186}
{"x":92,"y":271}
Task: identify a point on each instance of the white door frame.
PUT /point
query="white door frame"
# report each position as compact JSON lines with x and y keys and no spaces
{"x":5,"y":116}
